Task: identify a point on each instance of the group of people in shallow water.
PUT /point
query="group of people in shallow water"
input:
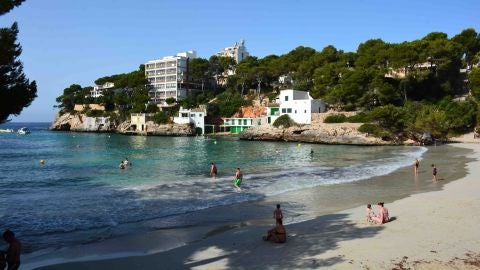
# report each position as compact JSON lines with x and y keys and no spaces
{"x":237,"y":180}
{"x":416,"y":169}
{"x":124,"y":164}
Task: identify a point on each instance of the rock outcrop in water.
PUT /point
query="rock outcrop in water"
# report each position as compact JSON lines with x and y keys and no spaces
{"x":346,"y":133}
{"x":82,"y":123}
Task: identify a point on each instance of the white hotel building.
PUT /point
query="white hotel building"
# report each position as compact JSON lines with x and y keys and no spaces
{"x":237,"y":52}
{"x":167,"y":76}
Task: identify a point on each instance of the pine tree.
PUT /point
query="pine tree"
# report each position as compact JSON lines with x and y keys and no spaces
{"x":16,"y":91}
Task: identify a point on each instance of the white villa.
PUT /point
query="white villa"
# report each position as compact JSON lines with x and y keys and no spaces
{"x":299,"y":105}
{"x":192,"y":116}
{"x":98,"y":89}
{"x":138,"y":121}
{"x":168,"y":76}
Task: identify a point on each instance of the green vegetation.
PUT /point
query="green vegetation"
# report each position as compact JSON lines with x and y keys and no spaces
{"x":284,"y":121}
{"x":161,"y":118}
{"x":335,"y":118}
{"x":402,"y":90}
{"x":16,"y":91}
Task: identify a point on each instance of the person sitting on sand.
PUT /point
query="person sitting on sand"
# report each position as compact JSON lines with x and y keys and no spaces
{"x":277,"y":234}
{"x":13,"y":251}
{"x":277,"y":214}
{"x":382,"y":216}
{"x":369,"y":213}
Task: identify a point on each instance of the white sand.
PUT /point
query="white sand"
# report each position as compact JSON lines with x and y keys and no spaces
{"x":432,"y":230}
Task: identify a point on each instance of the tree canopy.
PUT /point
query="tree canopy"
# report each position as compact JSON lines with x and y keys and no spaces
{"x":16,"y":90}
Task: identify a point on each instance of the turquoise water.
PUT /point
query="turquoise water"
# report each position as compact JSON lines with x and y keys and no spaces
{"x":80,"y":188}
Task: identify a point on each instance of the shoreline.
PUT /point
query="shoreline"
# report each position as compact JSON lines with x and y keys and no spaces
{"x":151,"y":247}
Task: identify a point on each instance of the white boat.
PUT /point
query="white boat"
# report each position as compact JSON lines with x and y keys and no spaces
{"x":23,"y":131}
{"x":8,"y":130}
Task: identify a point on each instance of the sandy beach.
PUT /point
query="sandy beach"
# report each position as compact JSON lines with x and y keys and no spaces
{"x":433,"y":230}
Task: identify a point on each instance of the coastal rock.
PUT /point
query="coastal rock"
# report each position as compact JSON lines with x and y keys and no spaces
{"x":157,"y":129}
{"x":314,"y":133}
{"x":81,"y":123}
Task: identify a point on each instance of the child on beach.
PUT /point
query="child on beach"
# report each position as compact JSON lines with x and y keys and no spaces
{"x":238,"y":179}
{"x":369,"y":213}
{"x":434,"y":172}
{"x":278,"y":215}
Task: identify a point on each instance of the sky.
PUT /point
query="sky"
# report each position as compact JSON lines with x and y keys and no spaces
{"x":68,"y":41}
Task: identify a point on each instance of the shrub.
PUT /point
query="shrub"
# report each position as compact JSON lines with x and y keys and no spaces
{"x":374,"y":130}
{"x":335,"y":118}
{"x":358,"y":118}
{"x":161,"y":118}
{"x":170,"y":100}
{"x":284,"y":121}
{"x":152,"y":108}
{"x":94,"y":113}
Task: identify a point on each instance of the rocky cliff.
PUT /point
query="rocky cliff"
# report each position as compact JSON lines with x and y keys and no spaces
{"x":82,"y":123}
{"x":345,"y":133}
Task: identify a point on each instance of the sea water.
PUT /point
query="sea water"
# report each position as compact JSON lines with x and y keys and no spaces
{"x":80,"y":190}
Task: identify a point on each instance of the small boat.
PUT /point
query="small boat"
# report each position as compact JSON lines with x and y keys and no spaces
{"x":8,"y":130}
{"x":23,"y":131}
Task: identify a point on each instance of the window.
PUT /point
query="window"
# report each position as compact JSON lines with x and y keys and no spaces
{"x":200,"y":115}
{"x":289,"y":110}
{"x":244,"y":122}
{"x":286,"y":98}
{"x":305,"y":111}
{"x":192,"y":115}
{"x":184,"y":114}
{"x":284,"y":110}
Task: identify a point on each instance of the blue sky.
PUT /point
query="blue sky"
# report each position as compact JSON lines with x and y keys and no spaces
{"x":68,"y":41}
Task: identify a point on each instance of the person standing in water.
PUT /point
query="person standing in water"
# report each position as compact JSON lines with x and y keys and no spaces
{"x":237,"y":182}
{"x":434,"y":172}
{"x":415,"y":166}
{"x":213,"y":170}
{"x":277,"y":214}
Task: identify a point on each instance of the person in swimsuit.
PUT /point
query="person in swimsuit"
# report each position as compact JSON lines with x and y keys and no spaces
{"x":415,"y":166}
{"x":277,"y":234}
{"x":238,"y":179}
{"x":122,"y":165}
{"x":213,"y":170}
{"x":277,"y":214}
{"x":369,"y":213}
{"x":434,"y":172}
{"x":380,"y":218}
{"x":13,"y":251}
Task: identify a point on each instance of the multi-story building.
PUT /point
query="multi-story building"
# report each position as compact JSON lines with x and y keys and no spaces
{"x":98,"y":89}
{"x":237,"y":52}
{"x":168,"y":77}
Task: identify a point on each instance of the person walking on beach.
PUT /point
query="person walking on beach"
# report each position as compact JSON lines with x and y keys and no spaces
{"x":213,"y":170}
{"x":237,"y":182}
{"x":13,"y":251}
{"x":277,"y":214}
{"x":415,"y":166}
{"x":434,"y":172}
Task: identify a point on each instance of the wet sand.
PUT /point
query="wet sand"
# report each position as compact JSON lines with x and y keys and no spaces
{"x":232,"y":237}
